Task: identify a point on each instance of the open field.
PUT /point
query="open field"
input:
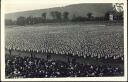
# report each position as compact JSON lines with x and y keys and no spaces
{"x":98,"y":50}
{"x":82,"y":40}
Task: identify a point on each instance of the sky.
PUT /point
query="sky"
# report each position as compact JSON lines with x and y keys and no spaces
{"x":25,"y":5}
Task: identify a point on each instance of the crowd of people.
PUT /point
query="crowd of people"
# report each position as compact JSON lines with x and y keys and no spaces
{"x":33,"y":67}
{"x":82,"y":41}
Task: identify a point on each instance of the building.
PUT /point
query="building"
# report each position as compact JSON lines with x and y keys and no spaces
{"x":115,"y":16}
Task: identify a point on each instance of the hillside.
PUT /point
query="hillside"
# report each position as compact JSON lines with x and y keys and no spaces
{"x":98,"y":9}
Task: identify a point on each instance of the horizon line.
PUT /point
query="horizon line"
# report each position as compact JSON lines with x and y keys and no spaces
{"x":52,"y":7}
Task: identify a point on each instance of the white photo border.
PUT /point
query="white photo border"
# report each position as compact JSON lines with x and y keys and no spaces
{"x":122,"y":78}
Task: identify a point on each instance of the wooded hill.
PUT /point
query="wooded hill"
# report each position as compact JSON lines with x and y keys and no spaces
{"x":97,"y":10}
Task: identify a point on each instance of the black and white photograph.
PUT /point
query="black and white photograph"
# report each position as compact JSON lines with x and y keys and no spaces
{"x":69,"y":39}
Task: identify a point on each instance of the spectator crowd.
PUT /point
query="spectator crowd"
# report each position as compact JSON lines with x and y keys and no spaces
{"x":33,"y":67}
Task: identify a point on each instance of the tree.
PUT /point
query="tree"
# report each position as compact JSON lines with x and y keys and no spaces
{"x":53,"y":15}
{"x":65,"y":16}
{"x":9,"y":22}
{"x":44,"y":15}
{"x":56,"y":15}
{"x":73,"y":17}
{"x":29,"y":20}
{"x":21,"y":20}
{"x":106,"y":17}
{"x":89,"y":15}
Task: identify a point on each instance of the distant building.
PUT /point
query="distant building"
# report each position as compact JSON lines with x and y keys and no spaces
{"x":115,"y":16}
{"x":111,"y":17}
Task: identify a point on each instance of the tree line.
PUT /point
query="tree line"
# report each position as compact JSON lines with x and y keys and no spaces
{"x":56,"y":17}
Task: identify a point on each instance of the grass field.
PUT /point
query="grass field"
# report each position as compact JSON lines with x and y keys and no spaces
{"x":82,"y":40}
